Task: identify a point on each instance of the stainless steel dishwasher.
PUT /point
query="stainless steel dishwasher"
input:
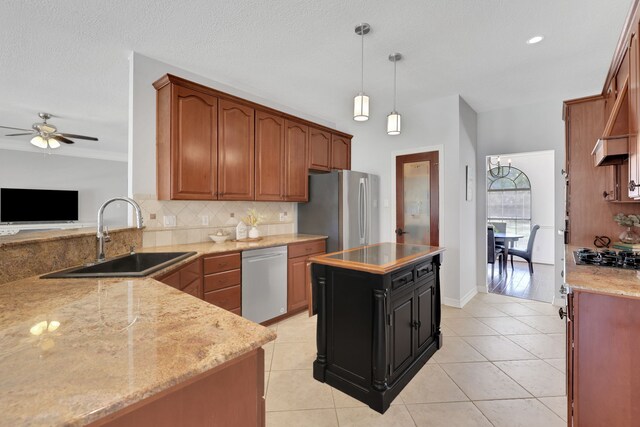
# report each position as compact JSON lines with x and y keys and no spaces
{"x":264,"y":283}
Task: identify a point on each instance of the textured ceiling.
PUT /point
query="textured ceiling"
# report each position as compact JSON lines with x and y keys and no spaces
{"x":70,"y":57}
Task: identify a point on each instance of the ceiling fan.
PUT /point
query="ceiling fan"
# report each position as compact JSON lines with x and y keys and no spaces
{"x":47,"y":135}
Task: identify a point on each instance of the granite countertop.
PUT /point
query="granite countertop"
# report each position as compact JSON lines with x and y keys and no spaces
{"x":380,"y":258}
{"x":615,"y":281}
{"x":48,"y":235}
{"x":73,"y":351}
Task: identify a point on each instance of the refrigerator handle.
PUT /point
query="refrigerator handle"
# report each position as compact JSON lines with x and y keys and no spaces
{"x":361,"y":210}
{"x":366,"y":214}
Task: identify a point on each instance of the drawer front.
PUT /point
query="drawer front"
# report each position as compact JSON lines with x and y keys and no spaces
{"x":307,"y":248}
{"x":216,"y":264}
{"x":228,"y":298}
{"x":213,"y":282}
{"x":194,"y":289}
{"x":401,"y":279}
{"x":424,"y":269}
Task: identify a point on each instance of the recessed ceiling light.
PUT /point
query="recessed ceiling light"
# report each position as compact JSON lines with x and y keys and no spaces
{"x":535,"y":39}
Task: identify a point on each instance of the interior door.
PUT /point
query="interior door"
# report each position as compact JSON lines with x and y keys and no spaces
{"x":417,"y":210}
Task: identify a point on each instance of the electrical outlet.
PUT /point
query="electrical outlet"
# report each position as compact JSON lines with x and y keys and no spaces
{"x":283,"y":216}
{"x":204,"y":219}
{"x":169,"y":220}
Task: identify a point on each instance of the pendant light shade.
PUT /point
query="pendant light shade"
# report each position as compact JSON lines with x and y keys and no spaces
{"x":394,"y":119}
{"x":361,"y":107}
{"x":361,"y":100}
{"x":393,"y":123}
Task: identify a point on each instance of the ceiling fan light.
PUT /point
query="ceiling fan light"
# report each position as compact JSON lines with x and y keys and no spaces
{"x":361,"y":107}
{"x":39,"y":142}
{"x":394,"y":123}
{"x":53,"y":143}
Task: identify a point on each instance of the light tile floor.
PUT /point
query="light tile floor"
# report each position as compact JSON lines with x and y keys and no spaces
{"x":502,"y":364}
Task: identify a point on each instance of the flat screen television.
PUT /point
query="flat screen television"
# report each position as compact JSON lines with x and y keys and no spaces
{"x":24,"y":205}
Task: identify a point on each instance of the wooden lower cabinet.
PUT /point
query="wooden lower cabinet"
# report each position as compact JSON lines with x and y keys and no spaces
{"x":187,"y":278}
{"x":231,"y":394}
{"x":223,"y":281}
{"x":298,"y":273}
{"x":603,"y":344}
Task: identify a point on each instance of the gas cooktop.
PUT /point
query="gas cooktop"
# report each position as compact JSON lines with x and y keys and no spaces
{"x":607,"y":258}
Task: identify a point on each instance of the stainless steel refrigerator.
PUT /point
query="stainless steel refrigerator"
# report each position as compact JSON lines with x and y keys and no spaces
{"x":344,"y":206}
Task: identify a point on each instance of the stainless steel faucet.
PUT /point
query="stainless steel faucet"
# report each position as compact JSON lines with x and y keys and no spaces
{"x":103,"y":232}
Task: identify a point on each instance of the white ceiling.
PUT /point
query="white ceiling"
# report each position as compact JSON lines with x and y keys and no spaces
{"x":70,"y":57}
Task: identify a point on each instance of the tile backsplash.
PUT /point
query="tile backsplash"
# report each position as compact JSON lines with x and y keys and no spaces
{"x":169,"y":222}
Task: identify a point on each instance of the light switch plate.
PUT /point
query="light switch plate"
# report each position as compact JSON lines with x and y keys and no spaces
{"x":169,"y":220}
{"x":283,"y":216}
{"x":204,"y":219}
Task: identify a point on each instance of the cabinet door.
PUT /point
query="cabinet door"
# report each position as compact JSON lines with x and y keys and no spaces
{"x":193,"y":146}
{"x":319,"y":150}
{"x":235,"y":151}
{"x":425,"y":300}
{"x":340,"y":152}
{"x":269,"y":156}
{"x":296,"y":179}
{"x":634,"y":81}
{"x":609,"y":185}
{"x":402,"y":332}
{"x":297,"y":283}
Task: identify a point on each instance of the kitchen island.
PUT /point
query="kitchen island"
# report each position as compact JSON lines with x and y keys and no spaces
{"x":378,"y":321}
{"x":125,"y":352}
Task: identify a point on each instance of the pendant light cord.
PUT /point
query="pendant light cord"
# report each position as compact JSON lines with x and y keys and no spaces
{"x":362,"y":58}
{"x":395,"y":61}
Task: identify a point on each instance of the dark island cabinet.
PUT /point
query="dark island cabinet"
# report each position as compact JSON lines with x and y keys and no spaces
{"x":375,"y":331}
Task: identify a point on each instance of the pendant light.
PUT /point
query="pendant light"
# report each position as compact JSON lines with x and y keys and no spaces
{"x":394,"y":119}
{"x":361,"y":100}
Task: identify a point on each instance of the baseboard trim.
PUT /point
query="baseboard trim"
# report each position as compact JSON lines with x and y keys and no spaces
{"x":459,"y":303}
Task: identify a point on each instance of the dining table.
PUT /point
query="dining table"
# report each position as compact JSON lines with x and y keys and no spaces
{"x":508,"y":239}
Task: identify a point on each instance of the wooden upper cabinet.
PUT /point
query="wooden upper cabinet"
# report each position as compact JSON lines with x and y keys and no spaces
{"x":235,"y":151}
{"x":186,"y":146}
{"x":633,"y":100}
{"x":319,"y":150}
{"x":295,"y":162}
{"x":340,"y":152}
{"x":270,"y":156}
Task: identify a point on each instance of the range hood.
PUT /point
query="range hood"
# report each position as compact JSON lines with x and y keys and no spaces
{"x":613,"y":147}
{"x":613,"y":150}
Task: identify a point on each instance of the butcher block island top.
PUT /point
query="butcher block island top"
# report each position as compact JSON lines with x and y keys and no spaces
{"x":380,"y":258}
{"x":73,"y":351}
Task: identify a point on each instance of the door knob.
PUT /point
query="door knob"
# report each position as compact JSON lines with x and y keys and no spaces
{"x":399,"y":232}
{"x":562,"y":313}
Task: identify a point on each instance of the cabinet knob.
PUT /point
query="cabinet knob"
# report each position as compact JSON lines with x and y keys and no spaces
{"x":416,"y":324}
{"x":605,"y":194}
{"x":562,"y":313}
{"x":632,"y":185}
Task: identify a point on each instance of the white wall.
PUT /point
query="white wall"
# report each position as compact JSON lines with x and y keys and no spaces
{"x":468,"y":142}
{"x":539,"y":168}
{"x":521,"y":129}
{"x":95,"y":180}
{"x":143,"y":71}
{"x":438,"y":124}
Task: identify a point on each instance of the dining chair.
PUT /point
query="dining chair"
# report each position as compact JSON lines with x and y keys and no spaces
{"x":494,"y":252}
{"x":526,"y":255}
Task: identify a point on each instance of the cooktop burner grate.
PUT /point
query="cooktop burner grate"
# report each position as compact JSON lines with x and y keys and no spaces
{"x":607,"y":258}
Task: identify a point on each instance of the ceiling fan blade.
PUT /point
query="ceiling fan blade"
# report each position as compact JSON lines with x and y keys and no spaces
{"x":63,"y":139}
{"x":70,"y":135}
{"x":9,"y":127}
{"x":19,"y":134}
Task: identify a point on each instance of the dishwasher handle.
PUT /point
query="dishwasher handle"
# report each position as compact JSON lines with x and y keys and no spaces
{"x":263,"y":257}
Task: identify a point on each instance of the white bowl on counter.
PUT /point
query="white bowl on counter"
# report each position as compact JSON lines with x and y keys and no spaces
{"x":219,"y":238}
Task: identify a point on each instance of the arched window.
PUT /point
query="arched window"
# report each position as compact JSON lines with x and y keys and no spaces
{"x":509,"y":201}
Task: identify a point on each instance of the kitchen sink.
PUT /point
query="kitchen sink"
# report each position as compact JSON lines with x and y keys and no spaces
{"x":133,"y":265}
